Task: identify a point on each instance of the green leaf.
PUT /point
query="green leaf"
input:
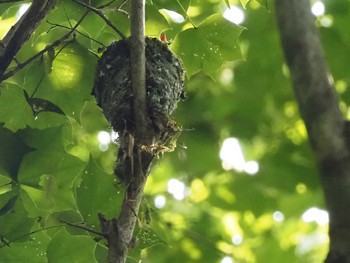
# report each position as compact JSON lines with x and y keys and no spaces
{"x":227,"y":2}
{"x":155,"y":22}
{"x":15,"y":111}
{"x":7,"y":208}
{"x":12,"y":151}
{"x":15,"y":225}
{"x":65,"y":248}
{"x":34,"y":248}
{"x":98,"y":193}
{"x":40,"y":105}
{"x":50,"y":184}
{"x":68,"y":85}
{"x":244,"y":3}
{"x":208,"y":46}
{"x":264,"y":3}
{"x":179,"y":6}
{"x":57,"y":137}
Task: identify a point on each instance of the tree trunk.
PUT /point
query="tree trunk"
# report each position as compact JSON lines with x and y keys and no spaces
{"x":319,"y":107}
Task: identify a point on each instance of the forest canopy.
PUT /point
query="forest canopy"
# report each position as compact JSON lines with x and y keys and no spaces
{"x":241,"y":185}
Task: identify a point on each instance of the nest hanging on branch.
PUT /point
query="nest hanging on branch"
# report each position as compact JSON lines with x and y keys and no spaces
{"x":164,"y":88}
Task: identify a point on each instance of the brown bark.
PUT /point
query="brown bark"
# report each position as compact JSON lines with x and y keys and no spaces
{"x":22,"y":30}
{"x":319,"y":107}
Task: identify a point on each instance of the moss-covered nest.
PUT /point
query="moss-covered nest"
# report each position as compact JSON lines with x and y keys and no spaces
{"x":164,"y":84}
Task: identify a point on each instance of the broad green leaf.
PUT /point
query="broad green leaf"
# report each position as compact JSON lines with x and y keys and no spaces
{"x":98,"y":193}
{"x":92,"y":118}
{"x":12,"y":150}
{"x":179,"y":6}
{"x":69,"y":83}
{"x":15,"y":111}
{"x":155,"y":22}
{"x":65,"y":248}
{"x":208,"y":46}
{"x":15,"y":225}
{"x":50,"y":185}
{"x":57,"y":137}
{"x":33,"y":249}
{"x":7,"y":208}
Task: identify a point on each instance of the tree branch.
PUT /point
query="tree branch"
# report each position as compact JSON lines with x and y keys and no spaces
{"x":58,"y":42}
{"x":100,"y":14}
{"x":319,"y":107}
{"x":134,"y":161}
{"x":22,"y":30}
{"x":138,"y":65}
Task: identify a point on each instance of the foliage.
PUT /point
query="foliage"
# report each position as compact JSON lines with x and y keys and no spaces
{"x":53,"y":168}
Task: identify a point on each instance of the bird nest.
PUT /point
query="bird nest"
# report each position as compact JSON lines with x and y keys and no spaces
{"x":164,"y":86}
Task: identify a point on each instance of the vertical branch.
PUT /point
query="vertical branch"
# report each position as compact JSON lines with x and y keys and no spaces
{"x":138,"y":65}
{"x":137,"y":162}
{"x":319,"y":107}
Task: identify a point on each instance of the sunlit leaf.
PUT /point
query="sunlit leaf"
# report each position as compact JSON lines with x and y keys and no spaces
{"x":179,"y":6}
{"x":68,"y":85}
{"x":208,"y":46}
{"x":244,"y":2}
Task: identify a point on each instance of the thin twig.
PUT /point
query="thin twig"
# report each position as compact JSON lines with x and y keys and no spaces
{"x":98,"y":12}
{"x":80,"y":33}
{"x":47,"y":48}
{"x":85,"y":228}
{"x":28,"y":234}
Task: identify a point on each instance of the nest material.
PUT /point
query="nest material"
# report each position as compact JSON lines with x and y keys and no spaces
{"x":164,"y":85}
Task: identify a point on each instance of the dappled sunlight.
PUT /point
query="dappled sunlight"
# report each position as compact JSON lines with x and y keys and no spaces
{"x":237,"y":239}
{"x":234,"y":14}
{"x":278,"y":216}
{"x":231,"y":223}
{"x":301,"y":188}
{"x":226,"y":76}
{"x":295,"y":129}
{"x":307,"y":243}
{"x":22,"y":10}
{"x":177,"y":189}
{"x":199,"y":191}
{"x":174,"y":16}
{"x":227,"y":259}
{"x":316,"y":215}
{"x":159,"y":201}
{"x":8,"y":22}
{"x":104,"y":138}
{"x":318,"y":8}
{"x":232,"y":158}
